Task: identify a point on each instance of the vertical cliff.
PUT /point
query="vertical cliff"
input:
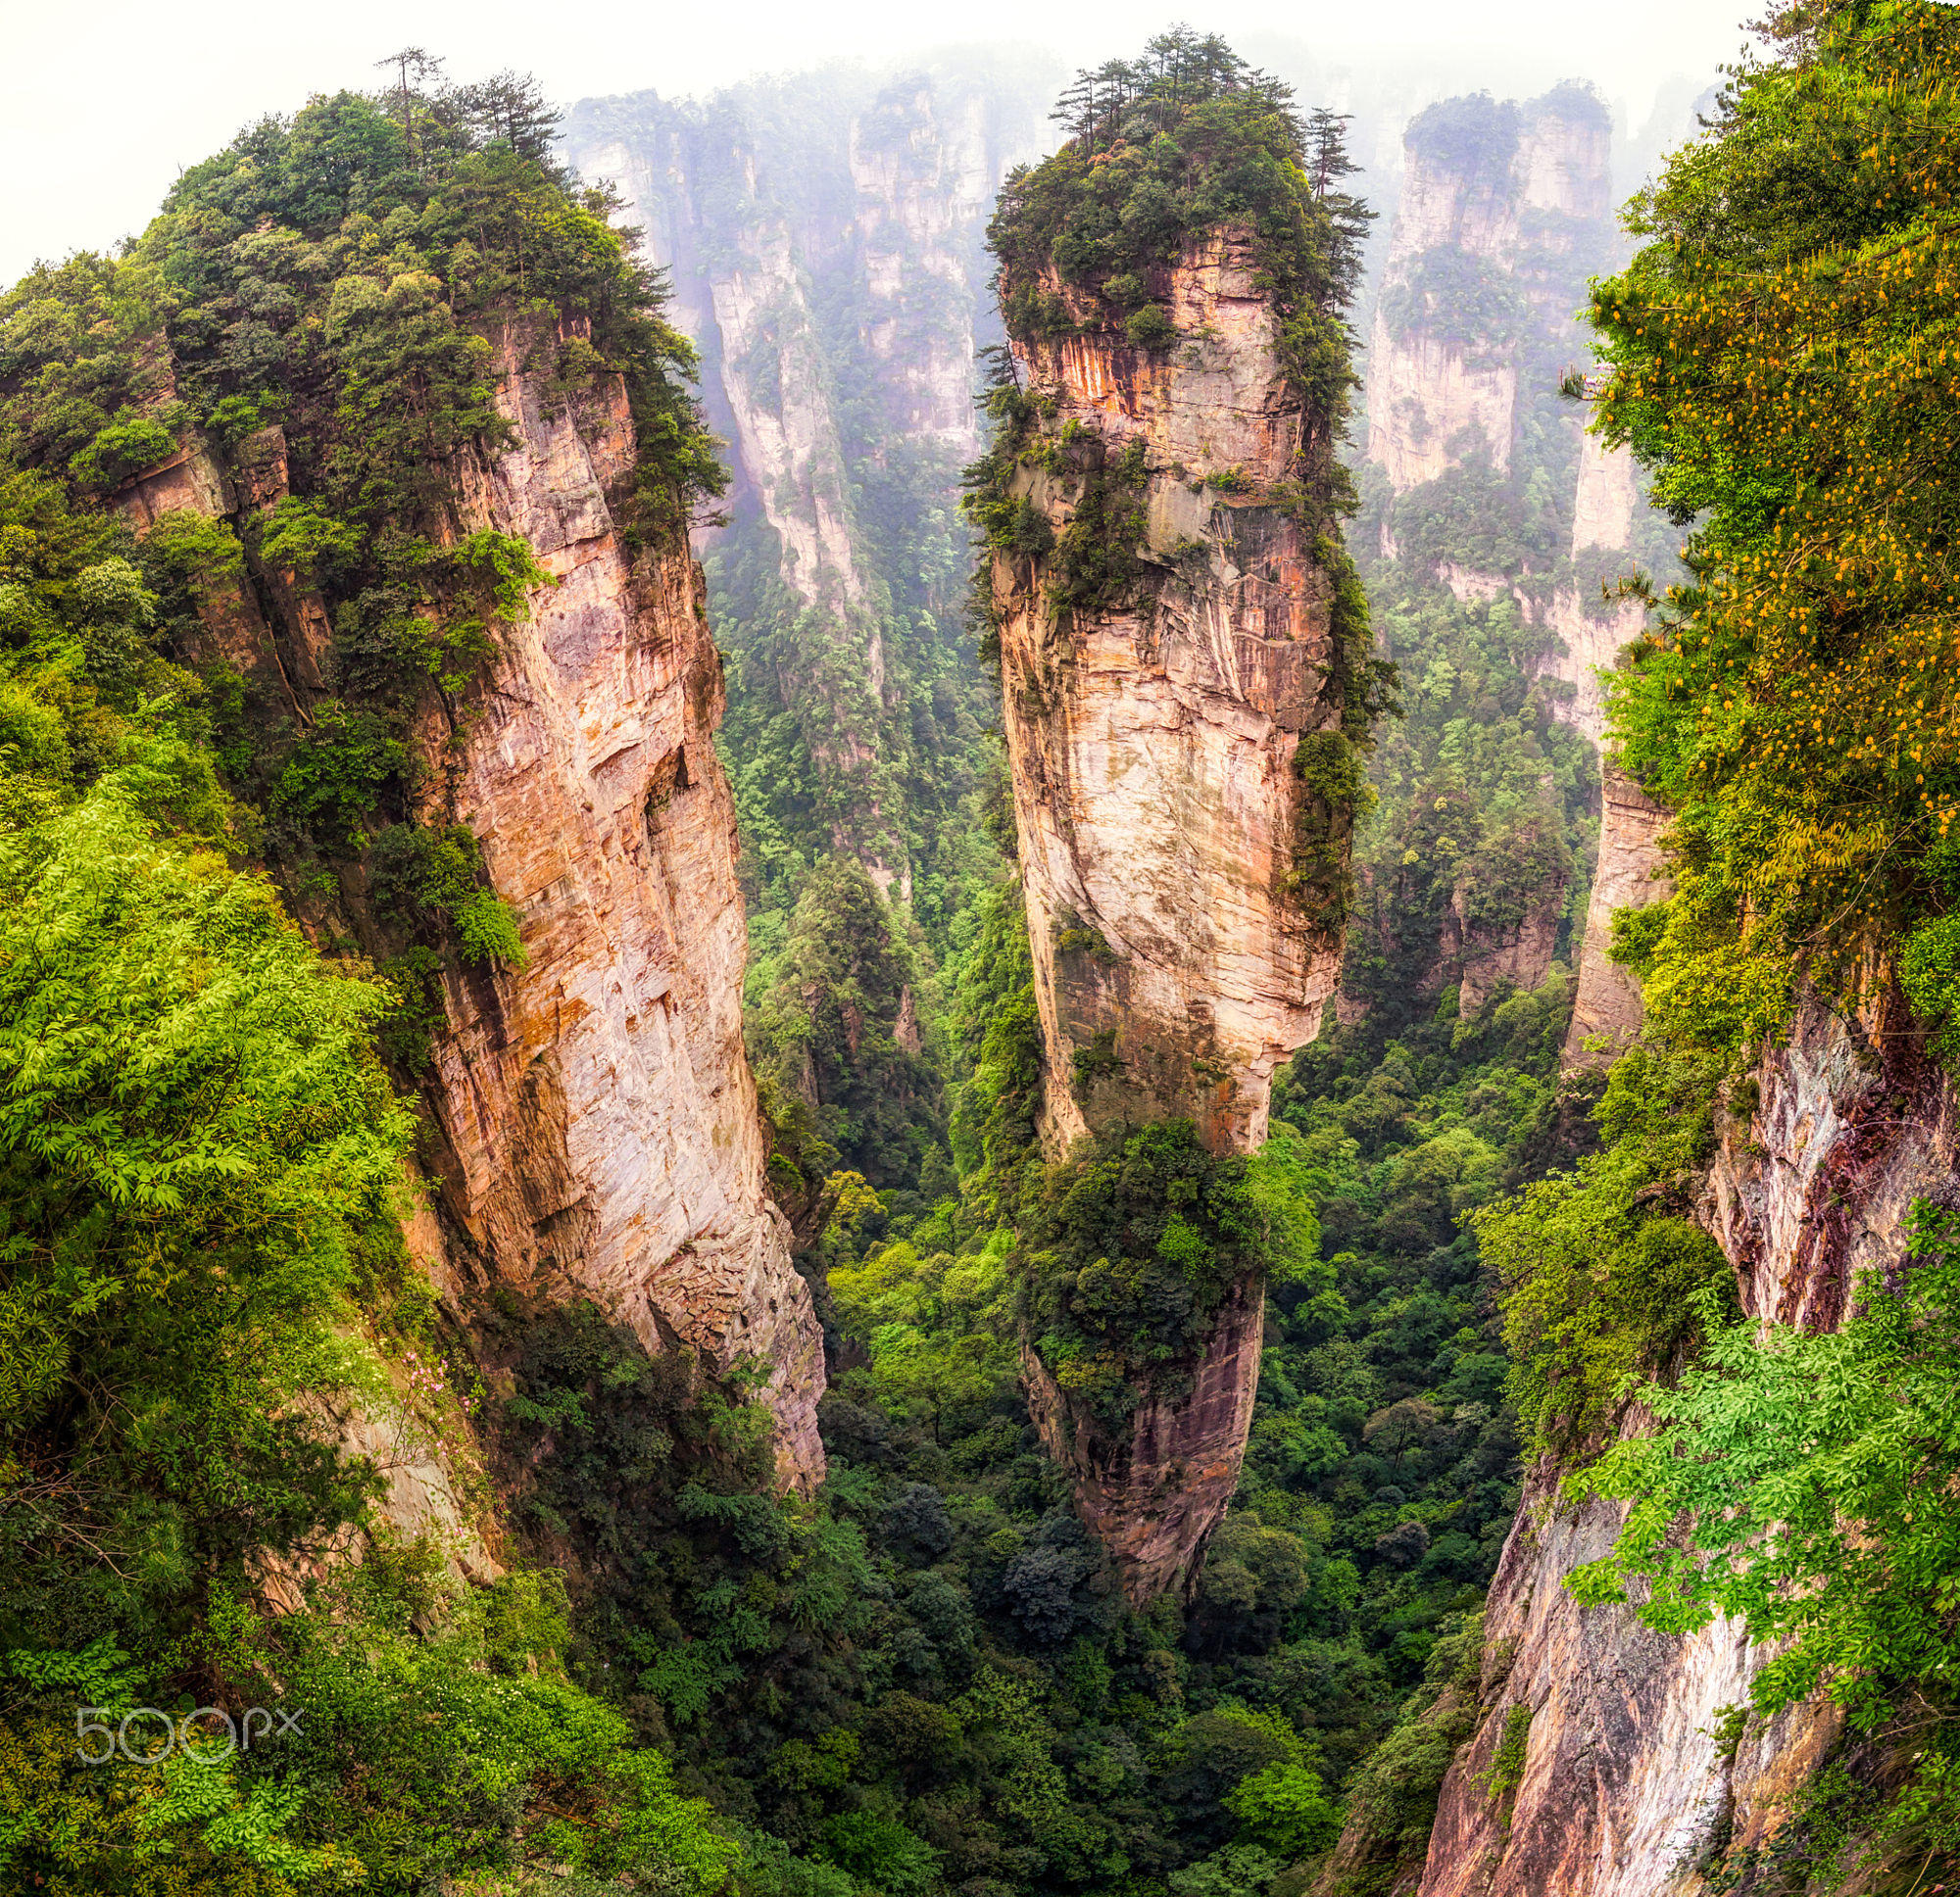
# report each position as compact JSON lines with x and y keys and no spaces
{"x":596,"y":1124}
{"x":1182,"y":946}
{"x":1601,"y":1756}
{"x":601,"y":1117}
{"x":1628,"y":873}
{"x":823,"y":237}
{"x":1592,"y":631}
{"x":1629,"y":1786}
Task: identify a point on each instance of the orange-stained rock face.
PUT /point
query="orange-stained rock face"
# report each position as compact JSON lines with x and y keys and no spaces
{"x":1177,"y":960}
{"x":1153,"y":747}
{"x":599,"y":1125}
{"x":600,"y":1104}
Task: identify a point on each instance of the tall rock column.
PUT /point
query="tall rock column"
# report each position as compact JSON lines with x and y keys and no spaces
{"x":1176,"y":633}
{"x":1629,"y":870}
{"x":598,"y":1108}
{"x":1183,"y":945}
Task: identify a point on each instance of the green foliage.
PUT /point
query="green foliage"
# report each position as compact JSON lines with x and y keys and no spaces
{"x":487,"y":927}
{"x":997,"y":1054}
{"x":1181,"y":141}
{"x":335,"y":776}
{"x":1506,"y":1770}
{"x":1455,"y":296}
{"x":194,"y":548}
{"x":1799,"y":1483}
{"x":132,"y":440}
{"x":1602,"y":1274}
{"x":302,"y":536}
{"x":1284,"y":1810}
{"x":435,"y":878}
{"x":1332,"y":772}
{"x":831,"y":1027}
{"x":1800,"y":1467}
{"x":201,"y":1159}
{"x":1929,"y":972}
{"x":1125,"y":1255}
{"x":1780,"y":354}
{"x":1472,"y":134}
{"x":1394,"y":1798}
{"x":1188,"y":139}
{"x":881,"y":1852}
{"x":321,"y":298}
{"x":1097,"y":560}
{"x":506,"y":562}
{"x":1283,"y":1187}
{"x":194,"y":1131}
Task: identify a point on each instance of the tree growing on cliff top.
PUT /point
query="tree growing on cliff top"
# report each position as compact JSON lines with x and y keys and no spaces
{"x":1204,"y":141}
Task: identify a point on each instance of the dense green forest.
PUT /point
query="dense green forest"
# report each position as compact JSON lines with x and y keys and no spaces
{"x":921,"y":1678}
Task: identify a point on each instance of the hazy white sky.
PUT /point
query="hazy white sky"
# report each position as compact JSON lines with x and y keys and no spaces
{"x":100,"y":107}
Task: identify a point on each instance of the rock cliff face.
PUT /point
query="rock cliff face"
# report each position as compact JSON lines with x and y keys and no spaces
{"x":1626,"y":1790}
{"x":1628,"y":870}
{"x":1590,"y":632}
{"x":1154,"y":1493}
{"x":1512,"y":955}
{"x":1495,"y":491}
{"x":1502,"y":208}
{"x":1153,"y":747}
{"x":823,"y":237}
{"x":1178,"y":958}
{"x":598,"y":1124}
{"x":1629,"y":874}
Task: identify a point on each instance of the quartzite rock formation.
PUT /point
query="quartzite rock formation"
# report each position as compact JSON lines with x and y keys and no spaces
{"x":1154,"y":1494}
{"x":1505,"y":209}
{"x":599,"y":1125}
{"x":1152,"y":746}
{"x":1629,"y":872}
{"x":1152,"y":749}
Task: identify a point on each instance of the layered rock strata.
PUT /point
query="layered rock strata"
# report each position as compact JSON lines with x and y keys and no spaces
{"x":598,"y":1128}
{"x":1628,"y":1790}
{"x":1153,"y":744}
{"x":1178,"y":958}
